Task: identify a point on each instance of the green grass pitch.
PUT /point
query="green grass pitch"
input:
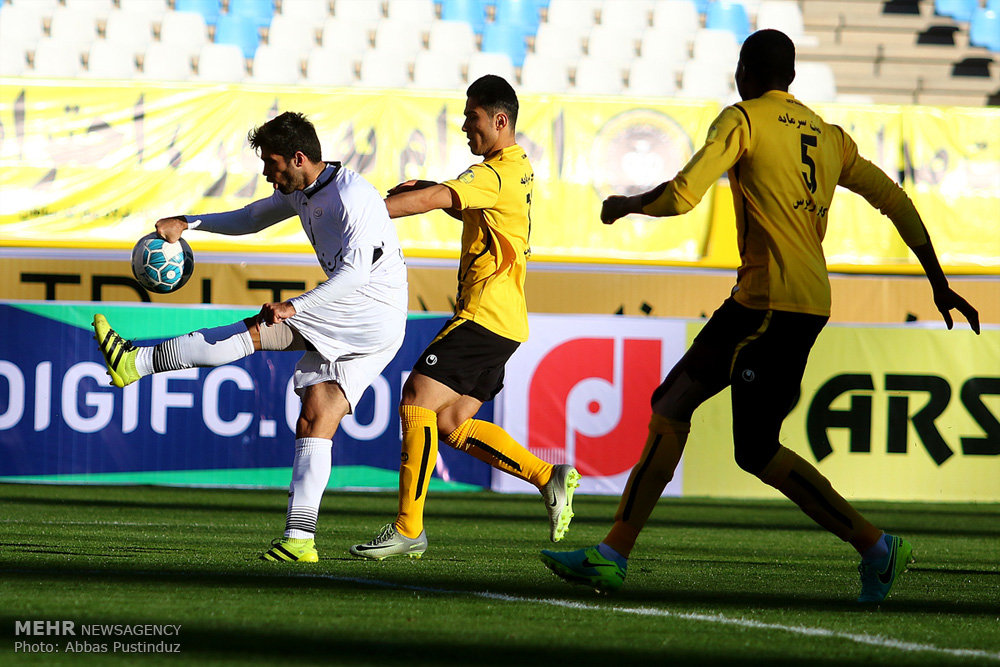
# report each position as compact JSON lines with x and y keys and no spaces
{"x":711,"y":583}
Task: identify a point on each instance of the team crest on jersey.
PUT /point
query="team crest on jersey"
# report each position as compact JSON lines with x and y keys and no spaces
{"x":466,"y":176}
{"x":317,"y":212}
{"x":431,"y":359}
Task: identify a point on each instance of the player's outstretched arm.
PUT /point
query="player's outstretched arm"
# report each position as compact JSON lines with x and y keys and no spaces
{"x":170,"y":228}
{"x":411,"y":199}
{"x":945,"y":298}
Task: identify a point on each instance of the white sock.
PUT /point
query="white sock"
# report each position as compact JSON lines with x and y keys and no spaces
{"x":205,"y":347}
{"x":310,"y":474}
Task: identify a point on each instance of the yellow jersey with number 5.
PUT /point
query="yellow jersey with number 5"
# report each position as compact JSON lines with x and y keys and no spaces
{"x":784,"y":163}
{"x":495,"y":200}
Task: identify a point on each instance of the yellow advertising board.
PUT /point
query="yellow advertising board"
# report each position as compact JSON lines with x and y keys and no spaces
{"x":895,"y":413}
{"x":93,"y":165}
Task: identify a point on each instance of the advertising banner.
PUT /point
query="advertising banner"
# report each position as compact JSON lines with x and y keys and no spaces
{"x":887,"y":413}
{"x":578,"y":392}
{"x":230,"y":425}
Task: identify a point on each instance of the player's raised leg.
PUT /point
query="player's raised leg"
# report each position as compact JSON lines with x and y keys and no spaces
{"x":215,"y":346}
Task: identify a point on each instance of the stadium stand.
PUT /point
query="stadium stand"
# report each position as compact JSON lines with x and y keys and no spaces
{"x":885,"y":51}
{"x":596,"y":75}
{"x":111,"y":60}
{"x":438,"y":71}
{"x":161,"y":61}
{"x":276,"y":64}
{"x":221,"y":62}
{"x":53,"y":59}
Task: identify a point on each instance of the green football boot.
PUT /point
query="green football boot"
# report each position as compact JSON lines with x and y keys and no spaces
{"x":877,"y":579}
{"x":119,"y":354}
{"x":291,"y":550}
{"x":587,"y":567}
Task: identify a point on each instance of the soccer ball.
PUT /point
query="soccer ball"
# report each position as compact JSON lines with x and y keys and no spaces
{"x":160,"y":266}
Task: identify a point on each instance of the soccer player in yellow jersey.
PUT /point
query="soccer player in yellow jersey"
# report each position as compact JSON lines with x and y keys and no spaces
{"x":464,"y":365}
{"x":784,"y":163}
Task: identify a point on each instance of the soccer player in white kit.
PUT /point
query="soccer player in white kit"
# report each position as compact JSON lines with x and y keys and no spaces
{"x":349,"y":327}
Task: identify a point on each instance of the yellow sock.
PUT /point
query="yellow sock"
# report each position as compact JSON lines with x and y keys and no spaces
{"x":806,"y":486}
{"x":655,"y":468}
{"x":490,"y":443}
{"x":419,"y":455}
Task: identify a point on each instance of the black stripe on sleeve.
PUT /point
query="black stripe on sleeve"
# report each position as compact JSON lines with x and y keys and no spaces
{"x":747,"y":116}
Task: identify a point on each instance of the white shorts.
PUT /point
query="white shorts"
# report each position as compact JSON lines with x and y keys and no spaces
{"x":353,"y":345}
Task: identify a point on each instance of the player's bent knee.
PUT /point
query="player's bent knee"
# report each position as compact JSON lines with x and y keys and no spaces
{"x":754,"y":457}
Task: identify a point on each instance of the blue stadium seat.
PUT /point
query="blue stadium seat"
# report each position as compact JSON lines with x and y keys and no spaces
{"x":261,"y":11}
{"x":238,"y":30}
{"x":209,"y":9}
{"x":960,"y":10}
{"x":505,"y":38}
{"x":472,"y":12}
{"x":984,"y":29}
{"x":731,"y":16}
{"x":525,"y":13}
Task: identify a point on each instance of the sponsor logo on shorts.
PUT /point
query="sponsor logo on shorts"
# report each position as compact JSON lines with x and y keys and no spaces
{"x":431,"y":359}
{"x":748,"y":375}
{"x":404,"y":457}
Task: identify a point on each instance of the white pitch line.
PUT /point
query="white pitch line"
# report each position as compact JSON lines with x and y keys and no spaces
{"x":870,"y":640}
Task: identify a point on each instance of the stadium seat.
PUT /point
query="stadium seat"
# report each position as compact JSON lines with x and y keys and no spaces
{"x":984,"y":29}
{"x":276,"y":64}
{"x":671,"y":53}
{"x":556,"y":41}
{"x":186,"y":32}
{"x":13,"y":57}
{"x":608,"y":43}
{"x":342,"y":36}
{"x":718,"y":47}
{"x":960,"y":10}
{"x":292,"y":33}
{"x":472,"y":12}
{"x":154,"y":9}
{"x":814,"y":82}
{"x":221,"y":62}
{"x":41,"y":8}
{"x":676,"y":17}
{"x":705,"y":81}
{"x":20,"y":24}
{"x":163,"y":62}
{"x":73,"y":28}
{"x":452,"y":37}
{"x":363,"y":14}
{"x":436,"y":71}
{"x":418,"y":13}
{"x":130,"y":30}
{"x":596,"y":75}
{"x":314,"y":12}
{"x":505,"y":38}
{"x":524,"y":13}
{"x":786,"y":16}
{"x":210,"y":10}
{"x":328,"y":68}
{"x":96,"y":9}
{"x":491,"y":63}
{"x":727,"y":15}
{"x":259,"y":11}
{"x":649,"y":78}
{"x":626,"y":17}
{"x":573,"y":16}
{"x":238,"y":30}
{"x":381,"y":69}
{"x":111,"y":60}
{"x":400,"y":37}
{"x":544,"y":74}
{"x":54,"y":59}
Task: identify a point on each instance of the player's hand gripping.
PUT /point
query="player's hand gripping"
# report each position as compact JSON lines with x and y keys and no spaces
{"x":170,"y":229}
{"x":410,"y":186}
{"x":618,"y":206}
{"x":946,"y":299}
{"x":275,"y":313}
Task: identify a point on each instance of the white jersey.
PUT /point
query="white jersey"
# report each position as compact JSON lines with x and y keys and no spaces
{"x":348,"y":225}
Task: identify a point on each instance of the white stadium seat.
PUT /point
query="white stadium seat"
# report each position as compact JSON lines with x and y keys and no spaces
{"x":814,"y":82}
{"x":716,"y":46}
{"x":73,"y":28}
{"x":131,"y":30}
{"x":670,"y":53}
{"x":359,"y":13}
{"x":611,"y":45}
{"x":20,"y":24}
{"x":598,"y":76}
{"x":544,"y":74}
{"x":162,"y":62}
{"x":110,"y":60}
{"x":626,"y":16}
{"x":452,"y":37}
{"x":338,"y":35}
{"x":398,"y":36}
{"x":276,"y":64}
{"x":293,"y":34}
{"x":552,"y":41}
{"x":705,"y":81}
{"x":649,"y":78}
{"x":221,"y":62}
{"x":381,"y":69}
{"x":315,"y":12}
{"x":677,"y":17}
{"x":54,"y":59}
{"x":329,"y":68}
{"x":481,"y":64}
{"x":154,"y":9}
{"x":185,"y":32}
{"x":437,"y":71}
{"x":13,"y":57}
{"x":418,"y":13}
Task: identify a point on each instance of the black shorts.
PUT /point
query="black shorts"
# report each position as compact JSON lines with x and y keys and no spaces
{"x":467,"y":358}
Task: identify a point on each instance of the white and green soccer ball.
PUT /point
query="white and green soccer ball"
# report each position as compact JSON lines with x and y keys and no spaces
{"x":162,"y":267}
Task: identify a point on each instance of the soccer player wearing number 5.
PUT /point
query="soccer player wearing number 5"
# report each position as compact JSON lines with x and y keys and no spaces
{"x":349,"y":327}
{"x":784,"y":163}
{"x":464,"y":365}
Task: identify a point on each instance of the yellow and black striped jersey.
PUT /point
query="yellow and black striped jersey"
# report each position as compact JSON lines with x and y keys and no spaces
{"x":495,"y":200}
{"x":784,"y":163}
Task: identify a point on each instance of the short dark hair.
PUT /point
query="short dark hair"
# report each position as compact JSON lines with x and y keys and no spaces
{"x":769,"y":55}
{"x":494,"y":94}
{"x":285,"y":135}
